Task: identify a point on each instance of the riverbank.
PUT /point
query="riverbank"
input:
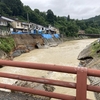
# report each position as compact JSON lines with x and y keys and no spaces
{"x":90,"y":57}
{"x":25,"y":43}
{"x":18,"y":44}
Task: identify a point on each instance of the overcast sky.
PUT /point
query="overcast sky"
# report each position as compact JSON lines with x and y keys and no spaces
{"x":77,"y":9}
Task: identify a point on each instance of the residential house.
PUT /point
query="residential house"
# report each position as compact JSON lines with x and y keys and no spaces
{"x":17,"y":26}
{"x":5,"y":25}
{"x":25,"y":27}
{"x":53,"y":29}
{"x":22,"y":27}
{"x":32,"y":27}
{"x":37,"y":29}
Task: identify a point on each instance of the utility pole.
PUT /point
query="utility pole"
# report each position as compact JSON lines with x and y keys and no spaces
{"x":28,"y":22}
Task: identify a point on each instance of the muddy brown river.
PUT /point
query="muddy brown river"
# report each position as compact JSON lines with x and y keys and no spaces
{"x":64,"y":54}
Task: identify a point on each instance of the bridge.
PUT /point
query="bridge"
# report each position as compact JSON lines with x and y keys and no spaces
{"x":90,"y":35}
{"x":80,"y":85}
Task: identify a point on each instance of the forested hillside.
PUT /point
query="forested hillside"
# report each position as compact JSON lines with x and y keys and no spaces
{"x":70,"y":27}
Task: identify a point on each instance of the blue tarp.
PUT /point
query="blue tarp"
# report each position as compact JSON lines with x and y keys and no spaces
{"x":39,"y":31}
{"x":47,"y":36}
{"x":17,"y":33}
{"x":56,"y":36}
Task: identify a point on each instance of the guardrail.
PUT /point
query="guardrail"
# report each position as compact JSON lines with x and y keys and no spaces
{"x":80,"y":86}
{"x":90,"y":35}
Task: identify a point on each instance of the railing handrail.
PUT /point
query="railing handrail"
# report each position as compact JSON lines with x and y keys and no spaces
{"x":81,"y":85}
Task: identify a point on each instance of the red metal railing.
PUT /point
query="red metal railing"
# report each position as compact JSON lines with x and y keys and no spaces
{"x":80,"y":86}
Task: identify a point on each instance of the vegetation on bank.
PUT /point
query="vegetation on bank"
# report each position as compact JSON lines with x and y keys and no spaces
{"x":7,"y":44}
{"x":66,"y":25}
{"x":95,"y":48}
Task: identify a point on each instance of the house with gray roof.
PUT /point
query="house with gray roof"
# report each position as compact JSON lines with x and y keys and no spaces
{"x":5,"y":25}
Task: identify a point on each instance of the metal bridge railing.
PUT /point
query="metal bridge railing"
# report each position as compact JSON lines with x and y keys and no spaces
{"x":80,"y":86}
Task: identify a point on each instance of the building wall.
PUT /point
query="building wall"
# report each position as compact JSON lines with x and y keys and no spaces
{"x":20,"y":26}
{"x":17,"y":24}
{"x":3,"y":22}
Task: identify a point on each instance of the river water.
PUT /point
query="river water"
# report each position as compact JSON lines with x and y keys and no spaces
{"x":64,"y":54}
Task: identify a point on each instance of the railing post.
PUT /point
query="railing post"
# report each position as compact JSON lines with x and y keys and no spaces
{"x":81,"y":86}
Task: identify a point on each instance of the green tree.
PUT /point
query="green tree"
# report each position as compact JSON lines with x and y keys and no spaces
{"x":50,"y":17}
{"x":4,"y":9}
{"x":68,"y":18}
{"x":72,"y":29}
{"x":15,"y":6}
{"x":37,"y":11}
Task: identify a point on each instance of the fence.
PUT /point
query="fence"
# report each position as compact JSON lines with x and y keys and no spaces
{"x":80,"y":86}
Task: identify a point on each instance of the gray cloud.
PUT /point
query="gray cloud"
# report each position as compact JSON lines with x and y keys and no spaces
{"x":77,"y":9}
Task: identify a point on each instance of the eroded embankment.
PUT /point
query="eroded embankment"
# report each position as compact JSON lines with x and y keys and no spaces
{"x":25,"y":43}
{"x":16,"y":44}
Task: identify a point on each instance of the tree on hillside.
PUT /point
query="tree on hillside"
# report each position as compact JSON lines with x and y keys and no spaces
{"x":81,"y":24}
{"x":68,"y":18}
{"x":50,"y":17}
{"x":37,"y":11}
{"x":72,"y":29}
{"x":91,"y":30}
{"x":15,"y":6}
{"x":4,"y":10}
